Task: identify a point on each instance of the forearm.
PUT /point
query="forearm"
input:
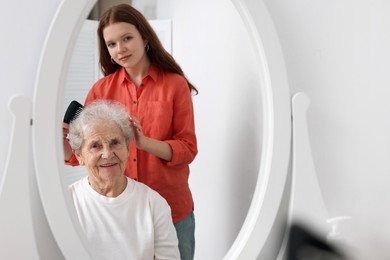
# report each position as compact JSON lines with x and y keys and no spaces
{"x":156,"y":147}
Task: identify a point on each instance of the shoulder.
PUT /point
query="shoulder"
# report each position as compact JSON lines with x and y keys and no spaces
{"x":105,"y":87}
{"x":106,"y":79}
{"x":174,"y":77}
{"x":151,"y":195}
{"x":141,"y":187}
{"x":174,"y":85}
{"x":78,"y":186}
{"x":171,"y":78}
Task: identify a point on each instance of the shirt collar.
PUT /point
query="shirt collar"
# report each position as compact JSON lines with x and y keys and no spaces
{"x":152,"y":73}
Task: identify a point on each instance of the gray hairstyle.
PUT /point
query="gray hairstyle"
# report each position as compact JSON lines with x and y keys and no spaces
{"x":97,"y":112}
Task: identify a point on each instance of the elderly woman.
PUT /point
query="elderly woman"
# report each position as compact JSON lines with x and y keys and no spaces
{"x":122,"y":218}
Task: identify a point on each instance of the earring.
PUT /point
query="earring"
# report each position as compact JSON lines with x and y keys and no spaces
{"x":112,"y":61}
{"x":147,"y":47}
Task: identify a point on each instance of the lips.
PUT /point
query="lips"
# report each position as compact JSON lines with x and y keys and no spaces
{"x":107,"y":165}
{"x":124,"y":58}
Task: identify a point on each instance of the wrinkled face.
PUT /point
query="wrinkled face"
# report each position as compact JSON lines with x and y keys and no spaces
{"x":125,"y":44}
{"x":104,"y":151}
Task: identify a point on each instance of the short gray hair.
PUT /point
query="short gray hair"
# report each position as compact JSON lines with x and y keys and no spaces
{"x":99,"y":111}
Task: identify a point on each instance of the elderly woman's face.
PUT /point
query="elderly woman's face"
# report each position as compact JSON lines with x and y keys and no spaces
{"x":104,"y":151}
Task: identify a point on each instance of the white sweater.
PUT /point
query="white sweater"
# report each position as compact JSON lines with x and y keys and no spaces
{"x":136,"y":225}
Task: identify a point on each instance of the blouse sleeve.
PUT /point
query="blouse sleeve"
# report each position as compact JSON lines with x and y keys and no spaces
{"x":183,"y":143}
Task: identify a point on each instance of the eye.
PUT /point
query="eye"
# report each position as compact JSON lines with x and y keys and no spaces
{"x":110,"y":45}
{"x":115,"y":142}
{"x":95,"y":146}
{"x":127,"y":38}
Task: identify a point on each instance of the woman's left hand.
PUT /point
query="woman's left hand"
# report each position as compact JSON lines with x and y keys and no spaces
{"x":137,"y":129}
{"x":156,"y":147}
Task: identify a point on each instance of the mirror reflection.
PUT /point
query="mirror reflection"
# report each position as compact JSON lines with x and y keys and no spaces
{"x":216,"y":56}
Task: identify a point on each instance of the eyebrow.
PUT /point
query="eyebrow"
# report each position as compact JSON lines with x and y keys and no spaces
{"x":95,"y":141}
{"x":126,"y":34}
{"x":123,"y":35}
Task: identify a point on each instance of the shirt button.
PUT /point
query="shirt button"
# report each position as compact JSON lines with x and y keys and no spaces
{"x":134,"y":102}
{"x":134,"y":160}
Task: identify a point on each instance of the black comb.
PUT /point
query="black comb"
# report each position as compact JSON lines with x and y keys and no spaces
{"x":73,"y":111}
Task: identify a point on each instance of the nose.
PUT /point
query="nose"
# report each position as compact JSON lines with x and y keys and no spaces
{"x":121,"y":47}
{"x":107,"y":152}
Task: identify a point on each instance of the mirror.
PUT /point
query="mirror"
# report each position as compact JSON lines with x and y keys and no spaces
{"x":242,"y":122}
{"x":219,"y":163}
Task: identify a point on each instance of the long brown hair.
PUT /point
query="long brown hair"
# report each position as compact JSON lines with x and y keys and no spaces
{"x":156,"y":53}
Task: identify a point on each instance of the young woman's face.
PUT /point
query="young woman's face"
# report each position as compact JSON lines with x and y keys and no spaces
{"x":104,"y":152}
{"x":125,"y":44}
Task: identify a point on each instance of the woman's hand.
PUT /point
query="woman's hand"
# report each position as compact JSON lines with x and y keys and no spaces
{"x":137,"y":130}
{"x":65,"y":131}
{"x":67,"y":149}
{"x":156,"y":147}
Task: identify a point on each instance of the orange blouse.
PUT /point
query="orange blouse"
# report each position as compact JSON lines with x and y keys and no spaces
{"x":163,"y":105}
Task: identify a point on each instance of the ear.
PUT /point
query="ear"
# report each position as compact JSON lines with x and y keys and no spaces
{"x":79,"y":158}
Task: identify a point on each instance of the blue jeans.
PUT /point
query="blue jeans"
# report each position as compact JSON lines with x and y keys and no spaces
{"x":185,"y":230}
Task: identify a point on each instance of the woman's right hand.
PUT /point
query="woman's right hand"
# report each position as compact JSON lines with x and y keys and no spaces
{"x":65,"y":131}
{"x":67,"y":149}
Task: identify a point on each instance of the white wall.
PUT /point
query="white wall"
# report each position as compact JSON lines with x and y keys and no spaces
{"x":338,"y":53}
{"x":23,"y":33}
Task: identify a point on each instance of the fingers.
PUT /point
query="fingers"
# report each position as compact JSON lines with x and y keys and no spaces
{"x":139,"y":137}
{"x":135,"y":124}
{"x":65,"y":131}
{"x":133,"y":120}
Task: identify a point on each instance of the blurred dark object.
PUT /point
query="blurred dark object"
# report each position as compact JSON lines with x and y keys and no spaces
{"x":73,"y":111}
{"x":305,"y":245}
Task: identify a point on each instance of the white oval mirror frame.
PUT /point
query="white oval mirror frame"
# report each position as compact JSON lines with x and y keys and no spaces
{"x":266,"y":216}
{"x":262,"y":233}
{"x":48,"y":159}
